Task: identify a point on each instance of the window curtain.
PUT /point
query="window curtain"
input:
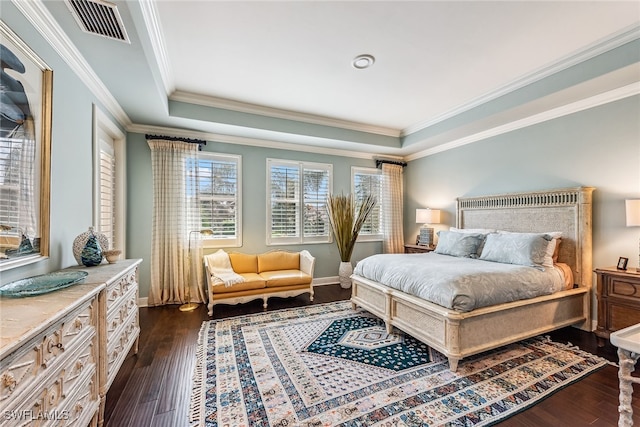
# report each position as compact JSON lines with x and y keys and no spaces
{"x":392,"y":193}
{"x":176,"y":274}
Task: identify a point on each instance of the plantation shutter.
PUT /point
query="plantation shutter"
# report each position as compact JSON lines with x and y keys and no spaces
{"x":297,"y":210}
{"x":107,"y":209}
{"x":316,"y":190}
{"x":285,"y":200}
{"x":218,"y":188}
{"x":367,"y":181}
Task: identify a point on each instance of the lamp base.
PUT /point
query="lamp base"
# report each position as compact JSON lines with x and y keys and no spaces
{"x":190,"y":306}
{"x":426,"y":236}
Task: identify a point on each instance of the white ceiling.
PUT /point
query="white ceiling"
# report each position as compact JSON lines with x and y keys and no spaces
{"x":431,"y":57}
{"x":292,"y":60}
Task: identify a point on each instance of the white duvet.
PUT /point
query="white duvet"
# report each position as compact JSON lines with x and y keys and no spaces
{"x":462,"y":284}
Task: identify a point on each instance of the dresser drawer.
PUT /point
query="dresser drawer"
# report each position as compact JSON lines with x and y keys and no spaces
{"x":43,"y":352}
{"x":120,"y":314}
{"x":120,"y":287}
{"x":48,"y":403}
{"x":121,"y":344}
{"x":82,"y":405}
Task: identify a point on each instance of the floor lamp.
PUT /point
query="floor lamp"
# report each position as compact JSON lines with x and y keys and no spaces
{"x":190,"y":306}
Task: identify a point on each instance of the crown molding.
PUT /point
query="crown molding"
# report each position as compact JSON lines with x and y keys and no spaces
{"x":152,"y":22}
{"x":618,"y":39}
{"x":38,"y":15}
{"x":253,"y":142}
{"x":554,"y":113}
{"x":243,"y":107}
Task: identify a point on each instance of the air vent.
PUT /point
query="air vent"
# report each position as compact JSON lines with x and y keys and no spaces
{"x":99,"y":17}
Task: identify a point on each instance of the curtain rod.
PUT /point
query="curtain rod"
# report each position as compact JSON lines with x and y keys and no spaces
{"x":200,"y":142}
{"x":379,"y":162}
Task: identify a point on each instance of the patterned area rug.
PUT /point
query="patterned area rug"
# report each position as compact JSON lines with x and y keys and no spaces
{"x":328,"y":365}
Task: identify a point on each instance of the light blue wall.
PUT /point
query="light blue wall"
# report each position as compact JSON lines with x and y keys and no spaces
{"x":599,"y":147}
{"x":140,"y":203}
{"x":71,"y":152}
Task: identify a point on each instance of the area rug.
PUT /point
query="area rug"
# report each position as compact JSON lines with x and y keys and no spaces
{"x":330,"y":365}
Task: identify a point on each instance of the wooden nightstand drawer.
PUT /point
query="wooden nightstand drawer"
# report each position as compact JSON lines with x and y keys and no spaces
{"x":417,"y":249}
{"x":618,"y":295}
{"x":623,"y":288}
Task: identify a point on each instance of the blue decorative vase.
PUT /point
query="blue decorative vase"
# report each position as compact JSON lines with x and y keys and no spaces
{"x":92,"y":253}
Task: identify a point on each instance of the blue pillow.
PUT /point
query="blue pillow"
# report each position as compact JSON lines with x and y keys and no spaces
{"x":516,"y":248}
{"x":459,"y":244}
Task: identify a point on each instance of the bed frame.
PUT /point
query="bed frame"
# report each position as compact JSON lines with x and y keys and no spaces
{"x":458,"y":335}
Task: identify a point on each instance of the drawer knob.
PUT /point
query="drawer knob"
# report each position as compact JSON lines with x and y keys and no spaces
{"x":9,"y":381}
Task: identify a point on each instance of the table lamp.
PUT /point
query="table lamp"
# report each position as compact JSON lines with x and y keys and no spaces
{"x":633,"y":219}
{"x":426,"y":217}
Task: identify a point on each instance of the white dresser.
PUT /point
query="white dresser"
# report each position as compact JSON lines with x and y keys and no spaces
{"x":59,"y":352}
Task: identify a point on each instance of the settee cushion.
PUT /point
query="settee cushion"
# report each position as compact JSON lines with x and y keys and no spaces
{"x":285,"y":278}
{"x":251,"y":281}
{"x":278,"y":260}
{"x":243,"y":263}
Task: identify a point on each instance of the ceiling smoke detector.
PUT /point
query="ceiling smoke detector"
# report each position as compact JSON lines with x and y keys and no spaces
{"x":361,"y":62}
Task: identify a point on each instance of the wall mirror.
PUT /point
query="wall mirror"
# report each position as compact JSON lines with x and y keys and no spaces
{"x":26,"y":85}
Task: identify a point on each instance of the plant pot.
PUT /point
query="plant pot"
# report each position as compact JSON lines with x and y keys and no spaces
{"x":344,"y":272}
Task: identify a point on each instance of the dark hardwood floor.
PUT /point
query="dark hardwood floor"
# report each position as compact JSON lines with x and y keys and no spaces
{"x":154,"y":386}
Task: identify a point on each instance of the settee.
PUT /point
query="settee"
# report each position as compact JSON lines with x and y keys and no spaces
{"x":276,"y":273}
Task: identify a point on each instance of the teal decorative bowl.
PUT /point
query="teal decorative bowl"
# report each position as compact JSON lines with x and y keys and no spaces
{"x":42,"y":284}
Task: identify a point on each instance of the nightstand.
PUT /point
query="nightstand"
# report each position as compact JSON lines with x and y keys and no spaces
{"x":618,"y":295}
{"x":417,"y":249}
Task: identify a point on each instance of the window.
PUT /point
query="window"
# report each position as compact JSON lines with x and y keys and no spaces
{"x":109,"y":213}
{"x":217,"y":177}
{"x":297,"y":205}
{"x":107,"y":196}
{"x":365,"y":181}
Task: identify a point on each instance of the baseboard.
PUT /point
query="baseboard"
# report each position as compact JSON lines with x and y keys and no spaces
{"x":143,"y":302}
{"x":331,"y":280}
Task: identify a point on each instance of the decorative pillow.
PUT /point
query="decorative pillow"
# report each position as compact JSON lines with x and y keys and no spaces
{"x":459,"y":244}
{"x":551,"y":256}
{"x":527,"y":249}
{"x":483,"y":231}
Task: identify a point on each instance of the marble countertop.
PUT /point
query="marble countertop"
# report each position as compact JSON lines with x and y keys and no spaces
{"x":23,"y":318}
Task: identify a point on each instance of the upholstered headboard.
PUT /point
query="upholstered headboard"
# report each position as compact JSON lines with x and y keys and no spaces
{"x":567,"y":210}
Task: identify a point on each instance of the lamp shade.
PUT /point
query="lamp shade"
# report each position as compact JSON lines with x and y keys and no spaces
{"x":633,"y":212}
{"x":427,"y":216}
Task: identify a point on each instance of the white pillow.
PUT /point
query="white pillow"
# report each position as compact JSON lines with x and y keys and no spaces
{"x":516,"y":248}
{"x":551,"y":247}
{"x":483,"y":231}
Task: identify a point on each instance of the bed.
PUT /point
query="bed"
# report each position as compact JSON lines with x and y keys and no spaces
{"x":458,"y":334}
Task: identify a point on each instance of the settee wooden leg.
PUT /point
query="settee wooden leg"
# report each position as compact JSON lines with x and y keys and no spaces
{"x":264,"y":302}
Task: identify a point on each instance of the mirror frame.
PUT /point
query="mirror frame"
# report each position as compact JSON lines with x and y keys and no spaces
{"x":44,"y":141}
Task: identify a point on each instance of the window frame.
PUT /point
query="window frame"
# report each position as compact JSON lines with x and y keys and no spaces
{"x":209,"y":242}
{"x":355,"y":170}
{"x":301,"y":238}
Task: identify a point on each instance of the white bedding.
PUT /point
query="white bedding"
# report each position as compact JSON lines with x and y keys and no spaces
{"x":458,"y":283}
